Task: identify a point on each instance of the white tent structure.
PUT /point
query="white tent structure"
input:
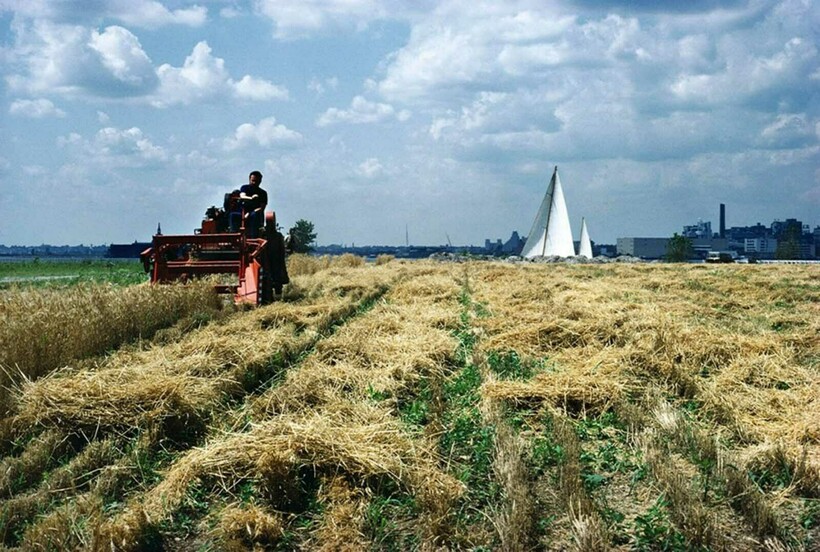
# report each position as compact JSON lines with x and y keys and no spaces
{"x":551,"y":233}
{"x":585,"y":245}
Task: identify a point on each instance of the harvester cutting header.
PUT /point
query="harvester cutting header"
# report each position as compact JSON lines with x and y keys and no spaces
{"x":241,"y":239}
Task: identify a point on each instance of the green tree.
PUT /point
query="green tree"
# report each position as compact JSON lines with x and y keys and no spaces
{"x":302,"y":236}
{"x":679,"y":249}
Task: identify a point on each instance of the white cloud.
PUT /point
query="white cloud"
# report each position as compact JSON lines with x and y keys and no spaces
{"x":252,"y":88}
{"x":149,"y":13}
{"x":140,"y":13}
{"x":79,"y":62}
{"x":437,"y":57}
{"x":506,"y":81}
{"x":36,"y":109}
{"x":370,"y":168}
{"x":195,"y":159}
{"x":746,"y":73}
{"x":203,"y":76}
{"x":361,"y":111}
{"x":493,"y":45}
{"x":131,"y":141}
{"x":266,"y":133}
{"x":635,"y":104}
{"x":789,"y":129}
{"x":319,"y":87}
{"x":72,"y":60}
{"x":230,"y":12}
{"x":200,"y":75}
{"x":112,"y":147}
{"x":122,"y":55}
{"x":51,"y":57}
{"x":299,"y":19}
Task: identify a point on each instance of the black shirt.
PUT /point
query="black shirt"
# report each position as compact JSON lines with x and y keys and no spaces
{"x":261,"y":199}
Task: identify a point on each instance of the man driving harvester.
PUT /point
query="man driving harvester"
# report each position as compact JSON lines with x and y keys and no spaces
{"x":253,"y":200}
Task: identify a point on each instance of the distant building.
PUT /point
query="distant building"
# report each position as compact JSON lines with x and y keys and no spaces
{"x":646,"y":248}
{"x":807,"y":250}
{"x":700,"y":230}
{"x":787,"y":228}
{"x":740,"y":233}
{"x":493,"y":247}
{"x":604,"y":249}
{"x":514,"y":245}
{"x":702,"y":246}
{"x":655,"y":248}
{"x":761,"y":248}
{"x":788,"y":238}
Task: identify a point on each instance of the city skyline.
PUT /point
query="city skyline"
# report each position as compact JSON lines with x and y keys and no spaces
{"x":372,"y":119}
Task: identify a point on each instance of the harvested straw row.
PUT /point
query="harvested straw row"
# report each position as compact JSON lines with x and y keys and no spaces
{"x":168,"y":389}
{"x":65,"y":527}
{"x":584,"y":390}
{"x":65,"y":481}
{"x":18,"y":472}
{"x":69,"y":524}
{"x":176,"y":386}
{"x":511,"y":512}
{"x":44,"y":329}
{"x":182,"y":383}
{"x":343,"y":517}
{"x":608,"y":333}
{"x":691,"y":516}
{"x":386,"y":352}
{"x":358,"y":439}
{"x":301,"y":265}
{"x":763,"y":374}
{"x":586,"y":528}
{"x":323,"y":416}
{"x":242,"y":527}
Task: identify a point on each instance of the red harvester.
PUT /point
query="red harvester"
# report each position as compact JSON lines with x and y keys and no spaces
{"x":255,"y":255}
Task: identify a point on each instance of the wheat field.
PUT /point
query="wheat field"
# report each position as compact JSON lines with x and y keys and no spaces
{"x":419,"y":405}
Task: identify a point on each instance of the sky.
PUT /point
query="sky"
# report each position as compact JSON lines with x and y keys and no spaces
{"x":381,"y":120}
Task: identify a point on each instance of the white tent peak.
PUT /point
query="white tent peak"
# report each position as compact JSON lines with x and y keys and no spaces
{"x":551,"y":233}
{"x":585,"y":245}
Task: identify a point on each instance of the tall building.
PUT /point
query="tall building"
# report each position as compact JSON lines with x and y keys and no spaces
{"x":722,"y":220}
{"x":700,"y":230}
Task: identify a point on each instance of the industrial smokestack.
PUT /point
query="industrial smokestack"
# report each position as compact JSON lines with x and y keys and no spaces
{"x":722,"y":220}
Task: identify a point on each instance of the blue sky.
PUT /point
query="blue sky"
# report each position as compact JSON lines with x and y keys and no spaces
{"x":367,"y":117}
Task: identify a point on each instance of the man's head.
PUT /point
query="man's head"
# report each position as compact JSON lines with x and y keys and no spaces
{"x":255,"y":178}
